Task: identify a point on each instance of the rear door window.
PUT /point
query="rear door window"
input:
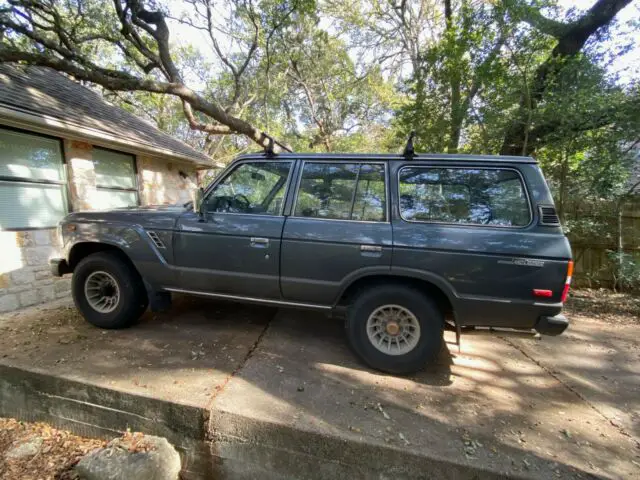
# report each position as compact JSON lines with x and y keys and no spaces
{"x":473,"y":196}
{"x":342,"y":191}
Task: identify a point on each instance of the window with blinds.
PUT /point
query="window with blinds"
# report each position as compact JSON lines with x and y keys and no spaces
{"x":32,"y":181}
{"x":116,"y":183}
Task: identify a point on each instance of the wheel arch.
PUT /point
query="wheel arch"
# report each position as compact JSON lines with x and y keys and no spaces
{"x":441,"y":294}
{"x":82,"y":250}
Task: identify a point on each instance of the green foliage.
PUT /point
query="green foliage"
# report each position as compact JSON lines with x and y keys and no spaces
{"x":627,"y":275}
{"x":359,"y":75}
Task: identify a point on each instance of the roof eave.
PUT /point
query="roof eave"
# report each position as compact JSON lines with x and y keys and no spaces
{"x":17,"y":118}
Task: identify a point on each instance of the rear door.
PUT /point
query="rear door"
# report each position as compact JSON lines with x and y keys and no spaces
{"x":338,"y":229}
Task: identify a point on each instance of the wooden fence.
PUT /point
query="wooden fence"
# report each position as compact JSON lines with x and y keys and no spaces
{"x":593,"y":232}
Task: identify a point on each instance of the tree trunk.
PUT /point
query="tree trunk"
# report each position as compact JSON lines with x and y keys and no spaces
{"x":564,"y":170}
{"x":455,"y":114}
{"x":618,"y":285}
{"x":571,"y":38}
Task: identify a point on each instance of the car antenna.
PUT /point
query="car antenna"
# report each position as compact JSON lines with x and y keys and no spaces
{"x":268,"y":149}
{"x":409,"y":151}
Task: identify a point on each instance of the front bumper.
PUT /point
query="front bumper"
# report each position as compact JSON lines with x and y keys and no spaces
{"x":552,"y":325}
{"x":59,"y":266}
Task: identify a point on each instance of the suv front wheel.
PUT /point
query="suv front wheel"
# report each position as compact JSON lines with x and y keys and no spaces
{"x":108,"y":291}
{"x":395,"y":328}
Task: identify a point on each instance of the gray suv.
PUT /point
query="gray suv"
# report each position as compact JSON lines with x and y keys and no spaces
{"x":401,"y":245}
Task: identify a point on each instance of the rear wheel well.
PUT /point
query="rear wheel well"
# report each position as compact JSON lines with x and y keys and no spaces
{"x":429,"y":289}
{"x":84,"y":249}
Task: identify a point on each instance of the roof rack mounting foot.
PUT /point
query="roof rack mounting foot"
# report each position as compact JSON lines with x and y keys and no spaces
{"x":268,"y":149}
{"x":409,"y":150}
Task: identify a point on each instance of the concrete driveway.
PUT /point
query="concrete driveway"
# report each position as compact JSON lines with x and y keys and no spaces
{"x":278,"y":394}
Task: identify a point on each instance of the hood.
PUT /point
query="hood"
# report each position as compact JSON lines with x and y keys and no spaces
{"x":152,"y":216}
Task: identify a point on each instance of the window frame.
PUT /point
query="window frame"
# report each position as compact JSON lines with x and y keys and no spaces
{"x":233,"y":167}
{"x":387,"y":210}
{"x":64,"y":182}
{"x":467,"y":224}
{"x":134,"y":159}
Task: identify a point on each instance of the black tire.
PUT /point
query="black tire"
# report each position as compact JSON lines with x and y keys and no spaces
{"x":132,"y":301}
{"x":427,"y":313}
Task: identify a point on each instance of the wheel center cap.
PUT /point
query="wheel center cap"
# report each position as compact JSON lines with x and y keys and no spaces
{"x":393,"y":328}
{"x":106,"y":290}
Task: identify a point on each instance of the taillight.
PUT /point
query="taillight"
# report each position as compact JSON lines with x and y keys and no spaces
{"x":567,"y":283}
{"x":537,"y":292}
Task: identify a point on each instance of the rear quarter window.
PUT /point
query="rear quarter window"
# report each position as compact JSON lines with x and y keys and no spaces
{"x":470,"y":196}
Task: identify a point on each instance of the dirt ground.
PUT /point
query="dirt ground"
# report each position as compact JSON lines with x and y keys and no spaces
{"x":605,"y":306}
{"x":36,"y":451}
{"x":597,"y":359}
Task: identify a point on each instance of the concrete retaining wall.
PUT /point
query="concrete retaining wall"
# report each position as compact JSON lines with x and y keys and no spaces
{"x":98,"y":412}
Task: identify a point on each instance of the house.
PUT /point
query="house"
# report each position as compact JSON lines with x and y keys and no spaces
{"x":63,"y":148}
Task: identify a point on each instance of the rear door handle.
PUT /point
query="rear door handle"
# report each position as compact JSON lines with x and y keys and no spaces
{"x":370,"y":248}
{"x":259,"y":242}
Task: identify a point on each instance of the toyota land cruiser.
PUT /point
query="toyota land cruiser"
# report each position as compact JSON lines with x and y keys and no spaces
{"x":402,"y":244}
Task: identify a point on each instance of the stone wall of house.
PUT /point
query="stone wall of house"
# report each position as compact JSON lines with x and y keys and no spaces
{"x":81,"y":174}
{"x":165,"y":182}
{"x":25,"y":278}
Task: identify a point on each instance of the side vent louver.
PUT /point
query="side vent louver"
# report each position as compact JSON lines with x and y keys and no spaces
{"x":155,"y":239}
{"x":548,"y":215}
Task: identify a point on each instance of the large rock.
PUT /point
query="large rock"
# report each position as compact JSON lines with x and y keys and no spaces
{"x":25,"y":450}
{"x":143,"y":458}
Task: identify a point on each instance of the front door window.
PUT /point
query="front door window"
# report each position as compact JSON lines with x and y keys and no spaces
{"x":255,"y":188}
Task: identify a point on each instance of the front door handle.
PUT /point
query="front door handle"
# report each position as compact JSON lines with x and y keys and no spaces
{"x":371,"y":248}
{"x":259,"y":242}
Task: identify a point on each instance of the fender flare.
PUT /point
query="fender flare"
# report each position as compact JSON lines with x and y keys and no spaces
{"x":399,"y":272}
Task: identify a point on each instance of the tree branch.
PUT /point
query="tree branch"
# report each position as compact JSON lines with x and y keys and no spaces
{"x":116,"y":80}
{"x":203,"y":127}
{"x":144,"y":39}
{"x":532,"y":15}
{"x":569,"y":44}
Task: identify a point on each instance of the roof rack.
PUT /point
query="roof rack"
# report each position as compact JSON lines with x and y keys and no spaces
{"x":409,"y":150}
{"x":268,"y":149}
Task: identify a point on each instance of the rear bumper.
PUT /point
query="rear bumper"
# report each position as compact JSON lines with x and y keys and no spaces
{"x":59,"y":266}
{"x":552,"y":325}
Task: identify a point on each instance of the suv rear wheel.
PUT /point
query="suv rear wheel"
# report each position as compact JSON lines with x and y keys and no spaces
{"x":108,"y":292}
{"x":395,"y":328}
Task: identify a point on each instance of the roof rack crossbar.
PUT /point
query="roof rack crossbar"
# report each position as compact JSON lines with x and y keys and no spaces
{"x":409,"y":150}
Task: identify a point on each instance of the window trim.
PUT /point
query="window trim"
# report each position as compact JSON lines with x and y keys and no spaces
{"x":64,"y":182}
{"x":134,"y":159}
{"x":233,"y":167}
{"x":387,"y":211}
{"x":458,"y":224}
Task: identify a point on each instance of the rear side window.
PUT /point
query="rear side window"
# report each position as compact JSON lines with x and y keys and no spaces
{"x":464,"y":195}
{"x":342,"y":191}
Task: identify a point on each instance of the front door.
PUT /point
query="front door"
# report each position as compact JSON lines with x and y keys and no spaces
{"x":234,"y":247}
{"x":339,"y":229}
